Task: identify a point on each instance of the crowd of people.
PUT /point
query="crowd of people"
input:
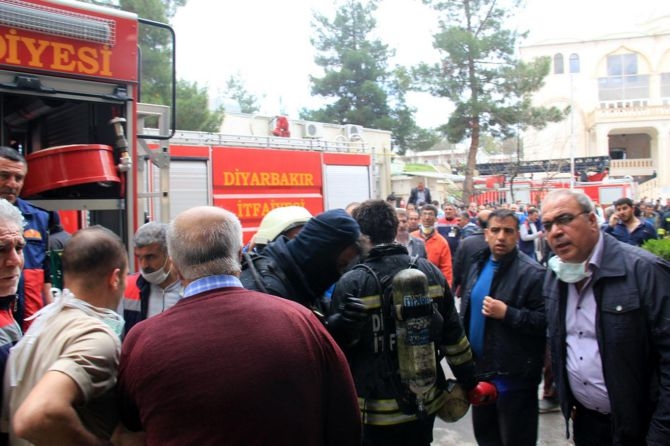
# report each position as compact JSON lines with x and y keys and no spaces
{"x":330,"y":329}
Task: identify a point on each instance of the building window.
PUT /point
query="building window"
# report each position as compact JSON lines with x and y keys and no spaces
{"x":622,"y":64}
{"x":558,"y":63}
{"x":574,"y":63}
{"x":665,"y":85}
{"x":623,"y":83}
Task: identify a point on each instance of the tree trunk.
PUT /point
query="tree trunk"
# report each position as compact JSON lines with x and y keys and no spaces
{"x":468,"y":183}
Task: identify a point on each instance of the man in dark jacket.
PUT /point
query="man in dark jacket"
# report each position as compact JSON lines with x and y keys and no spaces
{"x":468,"y":247}
{"x":156,"y":287}
{"x":303,"y":268}
{"x":419,"y":195}
{"x":370,"y":343}
{"x":608,"y":313}
{"x":503,"y":315}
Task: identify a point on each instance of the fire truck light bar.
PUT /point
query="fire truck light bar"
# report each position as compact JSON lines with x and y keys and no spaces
{"x":48,"y":20}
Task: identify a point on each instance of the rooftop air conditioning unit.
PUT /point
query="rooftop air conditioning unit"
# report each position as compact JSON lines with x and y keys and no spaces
{"x":352,"y":131}
{"x":313,"y":130}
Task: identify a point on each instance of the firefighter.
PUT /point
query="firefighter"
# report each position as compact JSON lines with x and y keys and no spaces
{"x":391,"y":417}
{"x":303,"y":269}
{"x":284,"y":221}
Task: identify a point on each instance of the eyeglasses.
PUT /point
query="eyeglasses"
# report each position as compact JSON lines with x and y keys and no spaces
{"x":561,"y":220}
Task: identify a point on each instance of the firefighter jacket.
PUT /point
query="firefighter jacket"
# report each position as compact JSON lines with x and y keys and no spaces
{"x":373,"y":359}
{"x":514,"y":346}
{"x":276,"y":272}
{"x":36,"y":270}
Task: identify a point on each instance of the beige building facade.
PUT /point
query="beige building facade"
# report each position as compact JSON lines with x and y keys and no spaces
{"x":618,"y":91}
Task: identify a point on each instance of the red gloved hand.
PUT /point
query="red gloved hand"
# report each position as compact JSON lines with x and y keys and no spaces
{"x":483,"y":393}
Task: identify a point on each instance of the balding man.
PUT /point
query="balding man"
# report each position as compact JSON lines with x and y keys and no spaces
{"x":226,"y":365}
{"x":60,"y":377}
{"x":608,"y":314}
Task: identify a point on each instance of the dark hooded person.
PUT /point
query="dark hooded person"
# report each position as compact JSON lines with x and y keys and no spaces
{"x":302,"y":269}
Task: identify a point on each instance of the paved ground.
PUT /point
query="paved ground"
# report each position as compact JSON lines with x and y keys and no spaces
{"x":551,"y":432}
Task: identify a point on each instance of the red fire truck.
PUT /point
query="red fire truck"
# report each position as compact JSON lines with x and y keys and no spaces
{"x":251,"y":175}
{"x":70,"y":102}
{"x":494,"y":189}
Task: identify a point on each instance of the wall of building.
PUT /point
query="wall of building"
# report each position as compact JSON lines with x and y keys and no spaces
{"x":597,"y":125}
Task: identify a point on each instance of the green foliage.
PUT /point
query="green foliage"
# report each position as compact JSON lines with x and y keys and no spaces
{"x":659,"y":247}
{"x":156,"y":70}
{"x":419,"y":168}
{"x":236,"y":90}
{"x":193,"y":111}
{"x":155,"y":47}
{"x":357,"y":79}
{"x":491,"y":89}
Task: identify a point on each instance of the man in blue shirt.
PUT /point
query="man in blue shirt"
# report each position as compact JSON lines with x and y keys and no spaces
{"x":626,"y":227}
{"x":503,"y":315}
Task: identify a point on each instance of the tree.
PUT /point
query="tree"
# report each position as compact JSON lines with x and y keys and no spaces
{"x":492,"y":91}
{"x":236,"y":90}
{"x":156,"y":75}
{"x":406,"y":133}
{"x":355,"y":68}
{"x":193,"y":111}
{"x":357,"y":78}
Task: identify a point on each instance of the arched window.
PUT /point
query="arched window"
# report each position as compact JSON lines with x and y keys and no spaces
{"x":558,"y":63}
{"x":574,"y":63}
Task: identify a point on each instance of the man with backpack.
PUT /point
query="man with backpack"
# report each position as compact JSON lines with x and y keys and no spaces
{"x":390,"y":414}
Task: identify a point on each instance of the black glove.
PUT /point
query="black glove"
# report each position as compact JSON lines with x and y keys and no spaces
{"x":347,"y":321}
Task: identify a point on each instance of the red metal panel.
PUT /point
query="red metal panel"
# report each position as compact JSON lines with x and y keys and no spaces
{"x":346,"y":159}
{"x":44,"y":52}
{"x":251,"y":182}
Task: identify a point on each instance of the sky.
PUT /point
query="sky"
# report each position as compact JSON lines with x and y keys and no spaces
{"x":267,"y":43}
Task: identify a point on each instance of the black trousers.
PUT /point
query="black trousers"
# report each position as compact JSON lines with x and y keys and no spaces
{"x":414,"y":433}
{"x":591,"y":428}
{"x":511,"y":421}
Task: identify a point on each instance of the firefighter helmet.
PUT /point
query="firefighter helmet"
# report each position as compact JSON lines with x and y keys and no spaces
{"x":278,"y":221}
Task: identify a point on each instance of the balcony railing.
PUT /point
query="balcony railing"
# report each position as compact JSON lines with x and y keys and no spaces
{"x":632,"y":167}
{"x":617,"y":110}
{"x":649,"y":189}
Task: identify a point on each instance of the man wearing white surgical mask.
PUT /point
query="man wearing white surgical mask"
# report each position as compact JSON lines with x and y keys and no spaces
{"x":608,"y":318}
{"x":156,"y":287}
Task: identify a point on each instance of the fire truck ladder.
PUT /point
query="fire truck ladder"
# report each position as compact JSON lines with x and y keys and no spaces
{"x":159,"y":158}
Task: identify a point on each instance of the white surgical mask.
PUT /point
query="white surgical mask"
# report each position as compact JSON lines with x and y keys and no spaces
{"x":114,"y":321}
{"x":569,"y":272}
{"x":157,"y":277}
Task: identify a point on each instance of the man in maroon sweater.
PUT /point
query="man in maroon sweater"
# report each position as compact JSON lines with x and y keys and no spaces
{"x":230,"y":366}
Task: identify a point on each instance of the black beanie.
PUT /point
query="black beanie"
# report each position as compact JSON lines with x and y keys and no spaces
{"x":319,"y":244}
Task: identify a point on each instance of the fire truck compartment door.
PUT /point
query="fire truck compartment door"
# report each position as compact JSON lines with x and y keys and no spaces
{"x":189,"y":186}
{"x":345,"y":184}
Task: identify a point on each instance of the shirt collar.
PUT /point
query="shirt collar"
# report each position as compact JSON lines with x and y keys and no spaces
{"x":209,"y":283}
